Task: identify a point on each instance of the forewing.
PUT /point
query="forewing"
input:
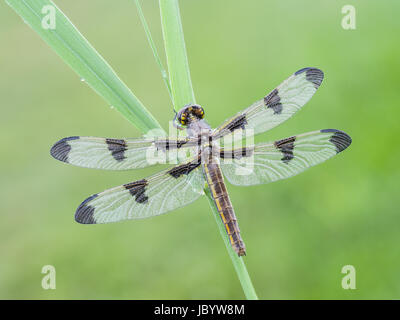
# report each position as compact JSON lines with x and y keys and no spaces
{"x":277,"y":106}
{"x":264,"y":163}
{"x":158,"y":194}
{"x":122,"y":154}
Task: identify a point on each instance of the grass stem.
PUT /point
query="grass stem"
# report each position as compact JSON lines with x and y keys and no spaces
{"x":153,"y":47}
{"x":182,"y":92}
{"x":178,"y":66}
{"x":237,"y":261}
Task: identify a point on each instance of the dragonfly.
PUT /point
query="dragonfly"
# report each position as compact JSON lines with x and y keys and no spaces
{"x":209,"y":159}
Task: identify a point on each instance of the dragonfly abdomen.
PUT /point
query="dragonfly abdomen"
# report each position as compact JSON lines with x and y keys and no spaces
{"x":223,"y":204}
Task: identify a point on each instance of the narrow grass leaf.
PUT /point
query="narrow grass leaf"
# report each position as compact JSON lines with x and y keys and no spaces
{"x":237,"y":261}
{"x":153,"y":47}
{"x":178,"y":66}
{"x":182,"y":93}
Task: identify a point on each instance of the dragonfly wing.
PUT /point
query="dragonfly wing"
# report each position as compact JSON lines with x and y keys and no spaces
{"x":122,"y":154}
{"x":276,"y":107}
{"x":155,"y":195}
{"x":264,"y":163}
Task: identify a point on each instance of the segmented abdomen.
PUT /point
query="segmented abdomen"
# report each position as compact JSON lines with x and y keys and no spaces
{"x":221,"y":199}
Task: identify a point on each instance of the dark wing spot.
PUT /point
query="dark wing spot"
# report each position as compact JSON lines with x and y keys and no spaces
{"x":61,"y":149}
{"x":186,"y":168}
{"x":169,"y":144}
{"x":84,"y":213}
{"x":313,"y":75}
{"x":137,"y":189}
{"x":273,"y":101}
{"x":286,"y":146}
{"x":236,"y":154}
{"x":238,"y":122}
{"x":339,"y":139}
{"x":117,"y":148}
{"x":180,"y":143}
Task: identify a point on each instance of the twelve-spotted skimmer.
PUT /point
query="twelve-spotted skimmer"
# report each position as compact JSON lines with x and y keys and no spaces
{"x":208,"y":161}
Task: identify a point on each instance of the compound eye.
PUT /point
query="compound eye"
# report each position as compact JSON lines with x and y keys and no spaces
{"x":199,"y":112}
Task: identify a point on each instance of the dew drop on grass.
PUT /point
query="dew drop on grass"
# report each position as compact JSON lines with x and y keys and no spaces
{"x":82,"y":80}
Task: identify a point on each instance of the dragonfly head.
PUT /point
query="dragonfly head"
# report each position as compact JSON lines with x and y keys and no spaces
{"x":189,"y":114}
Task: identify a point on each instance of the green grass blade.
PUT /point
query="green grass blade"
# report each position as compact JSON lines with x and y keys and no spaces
{"x":182,"y":92}
{"x":153,"y":47}
{"x":178,"y":66}
{"x":77,"y":52}
{"x":237,"y":261}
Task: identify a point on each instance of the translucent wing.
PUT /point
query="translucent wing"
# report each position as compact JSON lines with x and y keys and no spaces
{"x":264,"y":163}
{"x":158,"y":194}
{"x":277,"y":106}
{"x":122,"y":154}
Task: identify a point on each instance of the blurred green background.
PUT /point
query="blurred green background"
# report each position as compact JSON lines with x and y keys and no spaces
{"x":299,"y":232}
